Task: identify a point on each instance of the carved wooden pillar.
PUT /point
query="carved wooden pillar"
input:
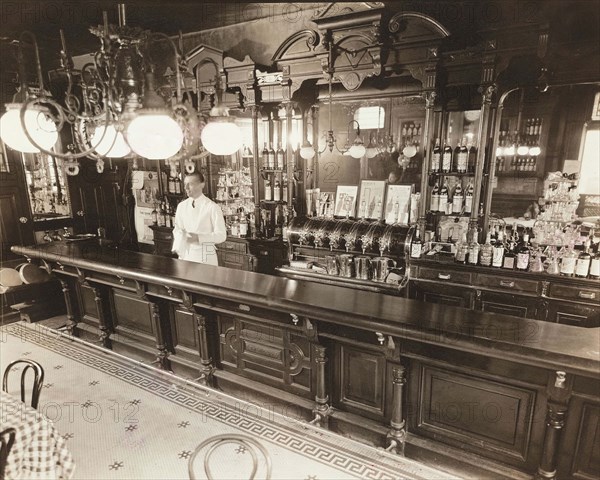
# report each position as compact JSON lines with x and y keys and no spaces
{"x":315,"y":141}
{"x":289,"y":153}
{"x":104,"y":336}
{"x":162,"y":355}
{"x":71,"y":320}
{"x":322,"y":409}
{"x":427,"y":140}
{"x":255,"y":166}
{"x":206,"y":364}
{"x":397,"y":433}
{"x":559,"y":394}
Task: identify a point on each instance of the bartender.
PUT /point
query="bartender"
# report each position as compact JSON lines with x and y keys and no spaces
{"x":199,"y":224}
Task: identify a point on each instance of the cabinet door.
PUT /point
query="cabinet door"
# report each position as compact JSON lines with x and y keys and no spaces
{"x":508,"y":304}
{"x":580,"y":315}
{"x":443,"y":294}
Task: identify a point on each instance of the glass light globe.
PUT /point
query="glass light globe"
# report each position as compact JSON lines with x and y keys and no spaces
{"x":221,"y":137}
{"x":154,"y":135}
{"x":371,"y":152}
{"x":108,"y":142}
{"x":307,"y":152}
{"x":409,"y":151}
{"x":38,"y":124}
{"x":522,"y":150}
{"x":510,"y":151}
{"x":499,"y":151}
{"x":535,"y":151}
{"x":357,"y":150}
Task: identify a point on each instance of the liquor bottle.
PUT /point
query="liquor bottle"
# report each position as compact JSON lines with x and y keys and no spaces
{"x":284,"y":187}
{"x":171,"y":184}
{"x":284,"y":227}
{"x":280,"y":157}
{"x":271,"y":156}
{"x":268,"y":189}
{"x":454,"y":167}
{"x":155,"y":215}
{"x":436,"y":156}
{"x":243,"y":226}
{"x":265,"y":156}
{"x":462,"y":158}
{"x":462,"y":250}
{"x":567,"y":264}
{"x":595,"y":264}
{"x":457,"y":199}
{"x":162,"y":215}
{"x":508,"y":261}
{"x":416,"y":247}
{"x":582,"y":267}
{"x":523,"y":253}
{"x":472,"y":158}
{"x":444,"y":192}
{"x":278,"y":222}
{"x":447,"y":158}
{"x":171,"y":215}
{"x":469,"y":197}
{"x":277,"y":190}
{"x":435,"y":198}
{"x":498,"y":250}
{"x":474,"y":248}
{"x":487,"y":251}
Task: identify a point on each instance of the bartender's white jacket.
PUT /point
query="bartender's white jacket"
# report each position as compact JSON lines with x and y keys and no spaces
{"x":203,"y":219}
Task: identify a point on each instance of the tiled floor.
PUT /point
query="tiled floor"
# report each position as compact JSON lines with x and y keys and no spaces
{"x":125,"y":420}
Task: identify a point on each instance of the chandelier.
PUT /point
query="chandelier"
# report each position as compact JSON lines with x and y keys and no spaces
{"x":111,"y":105}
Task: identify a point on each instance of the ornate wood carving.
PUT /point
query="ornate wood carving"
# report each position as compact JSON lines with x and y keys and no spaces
{"x":322,"y":410}
{"x":397,"y":433}
{"x":104,"y":336}
{"x":206,"y":364}
{"x":71,"y":320}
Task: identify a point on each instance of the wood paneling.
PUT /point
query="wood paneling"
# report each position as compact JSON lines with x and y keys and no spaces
{"x":587,"y":453}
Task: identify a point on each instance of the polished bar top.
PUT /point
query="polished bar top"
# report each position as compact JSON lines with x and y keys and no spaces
{"x":533,"y":342}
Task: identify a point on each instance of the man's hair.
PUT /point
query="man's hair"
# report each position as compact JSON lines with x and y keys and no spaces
{"x":198,"y":175}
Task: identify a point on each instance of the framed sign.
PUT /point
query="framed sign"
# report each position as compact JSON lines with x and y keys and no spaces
{"x":397,"y":204}
{"x":326,"y":204}
{"x":371,"y":197}
{"x":345,"y":200}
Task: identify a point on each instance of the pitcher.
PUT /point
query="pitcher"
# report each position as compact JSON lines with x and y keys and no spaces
{"x":346,"y":265}
{"x":331,"y":263}
{"x":382,"y":267}
{"x":362,"y":265}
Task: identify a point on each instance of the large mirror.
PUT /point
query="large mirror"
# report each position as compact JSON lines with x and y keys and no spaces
{"x":543,"y":137}
{"x":391,"y":132}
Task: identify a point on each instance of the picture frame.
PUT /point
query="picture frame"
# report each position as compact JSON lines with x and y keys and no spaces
{"x":326,"y":204}
{"x":4,"y":168}
{"x":371,"y":199}
{"x":345,"y":200}
{"x":397,"y":204}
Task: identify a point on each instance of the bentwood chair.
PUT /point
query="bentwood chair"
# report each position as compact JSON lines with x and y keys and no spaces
{"x":38,"y":379}
{"x":8,"y":438}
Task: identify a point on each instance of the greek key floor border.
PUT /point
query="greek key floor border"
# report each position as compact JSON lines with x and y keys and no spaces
{"x":325,"y":447}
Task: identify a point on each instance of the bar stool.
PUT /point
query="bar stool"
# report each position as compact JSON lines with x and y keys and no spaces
{"x":38,"y":379}
{"x":7,"y":438}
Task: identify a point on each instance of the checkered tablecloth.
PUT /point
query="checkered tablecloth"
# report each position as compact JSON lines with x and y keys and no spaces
{"x":39,"y":452}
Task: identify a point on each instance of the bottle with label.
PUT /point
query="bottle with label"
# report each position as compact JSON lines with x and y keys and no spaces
{"x":455,"y":159}
{"x":487,"y":251}
{"x":435,"y":198}
{"x":447,"y":158}
{"x":280,"y":157}
{"x":444,"y":198}
{"x":472,"y":159}
{"x":469,"y":197}
{"x":271,"y":157}
{"x":457,"y":199}
{"x":416,"y":247}
{"x":463,"y":158}
{"x":268,"y":189}
{"x":582,"y":267}
{"x":509,"y":259}
{"x":277,"y":190}
{"x":265,"y":156}
{"x":162,"y":215}
{"x":474,"y":248}
{"x":595,"y":264}
{"x":567,"y":264}
{"x":498,"y":250}
{"x":284,"y":187}
{"x":155,"y":215}
{"x":524,"y":253}
{"x":436,"y":157}
{"x":243,"y":226}
{"x":462,"y":250}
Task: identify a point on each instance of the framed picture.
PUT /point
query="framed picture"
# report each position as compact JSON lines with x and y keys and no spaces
{"x":3,"y":159}
{"x":371,"y":197}
{"x":326,"y":204}
{"x":397,"y":204}
{"x":345,"y":200}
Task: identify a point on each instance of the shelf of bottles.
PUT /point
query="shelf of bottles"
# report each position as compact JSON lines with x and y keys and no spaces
{"x":517,"y":153}
{"x":47,"y":186}
{"x":410,"y":136}
{"x":163,"y":212}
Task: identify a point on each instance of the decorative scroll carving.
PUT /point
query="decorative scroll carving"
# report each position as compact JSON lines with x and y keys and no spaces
{"x":267,"y":78}
{"x":396,"y":436}
{"x":436,"y":27}
{"x":301,"y":42}
{"x":429,"y":99}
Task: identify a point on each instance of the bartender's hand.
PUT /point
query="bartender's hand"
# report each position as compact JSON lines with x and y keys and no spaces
{"x":191,"y":237}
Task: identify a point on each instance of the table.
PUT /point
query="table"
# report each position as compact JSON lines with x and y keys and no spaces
{"x":39,"y":451}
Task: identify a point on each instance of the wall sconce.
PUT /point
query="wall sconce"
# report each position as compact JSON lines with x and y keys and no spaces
{"x":357,"y":149}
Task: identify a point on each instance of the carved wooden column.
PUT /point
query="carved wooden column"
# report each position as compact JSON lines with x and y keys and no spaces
{"x":71,"y":320}
{"x":255,"y":167}
{"x":559,"y":394}
{"x":315,"y":141}
{"x":206,"y":368}
{"x":162,"y":355}
{"x":105,"y":331}
{"x":397,"y":433}
{"x":427,"y":140}
{"x":322,"y":409}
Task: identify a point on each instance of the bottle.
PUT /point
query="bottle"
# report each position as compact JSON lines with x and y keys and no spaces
{"x":498,"y":250}
{"x":444,"y":192}
{"x":462,"y":250}
{"x":595,"y":264}
{"x":487,"y":251}
{"x":457,"y":199}
{"x":508,"y":261}
{"x":447,"y":158}
{"x":284,"y":187}
{"x":277,"y":190}
{"x":280,"y":157}
{"x":455,"y":159}
{"x":569,"y":259}
{"x":171,"y":185}
{"x":469,"y":197}
{"x":267,"y":189}
{"x":154,"y":215}
{"x":474,"y":248}
{"x":162,"y":215}
{"x":472,"y":158}
{"x":278,"y":222}
{"x":436,"y":156}
{"x":271,"y":157}
{"x":523,"y":253}
{"x":582,"y":267}
{"x":243,"y":226}
{"x":435,"y":198}
{"x":416,"y":247}
{"x":463,"y":158}
{"x":265,"y":156}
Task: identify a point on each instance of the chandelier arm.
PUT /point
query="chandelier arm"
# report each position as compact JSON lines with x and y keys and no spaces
{"x":177,"y":60}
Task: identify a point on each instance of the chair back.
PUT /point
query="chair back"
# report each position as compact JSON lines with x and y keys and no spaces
{"x":38,"y":379}
{"x":8,"y":438}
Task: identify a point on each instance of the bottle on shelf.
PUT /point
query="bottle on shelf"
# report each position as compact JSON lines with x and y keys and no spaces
{"x":487,"y":251}
{"x":447,"y":157}
{"x":268,"y":189}
{"x":265,"y":156}
{"x":582,"y":267}
{"x":280,"y":158}
{"x":498,"y":250}
{"x":462,"y":157}
{"x":284,"y":187}
{"x":474,"y":248}
{"x":416,"y":247}
{"x":523,"y":253}
{"x":435,"y":198}
{"x":154,"y":215}
{"x":469,"y":197}
{"x":243,"y":226}
{"x":162,"y":215}
{"x":444,"y":197}
{"x":436,"y":157}
{"x":457,"y":198}
{"x":277,"y":190}
{"x":595,"y":263}
{"x":508,"y":262}
{"x":569,"y":259}
{"x":472,"y":158}
{"x":271,"y":157}
{"x":278,"y":222}
{"x":462,"y":250}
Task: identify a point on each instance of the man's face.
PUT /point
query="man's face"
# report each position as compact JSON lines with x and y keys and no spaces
{"x":193,"y":186}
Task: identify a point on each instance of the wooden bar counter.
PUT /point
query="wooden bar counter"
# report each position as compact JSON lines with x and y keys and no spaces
{"x":480,"y":393}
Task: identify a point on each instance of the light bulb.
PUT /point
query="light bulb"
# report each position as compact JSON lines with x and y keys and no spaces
{"x":39,"y":125}
{"x":357,"y":150}
{"x":535,"y":151}
{"x":221,"y":137}
{"x":372,"y":152}
{"x":307,"y":152}
{"x":108,"y":142}
{"x":522,"y":150}
{"x":154,"y":135}
{"x":409,"y":151}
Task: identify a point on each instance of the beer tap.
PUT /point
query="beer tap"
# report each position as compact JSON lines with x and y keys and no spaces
{"x":367,"y":238}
